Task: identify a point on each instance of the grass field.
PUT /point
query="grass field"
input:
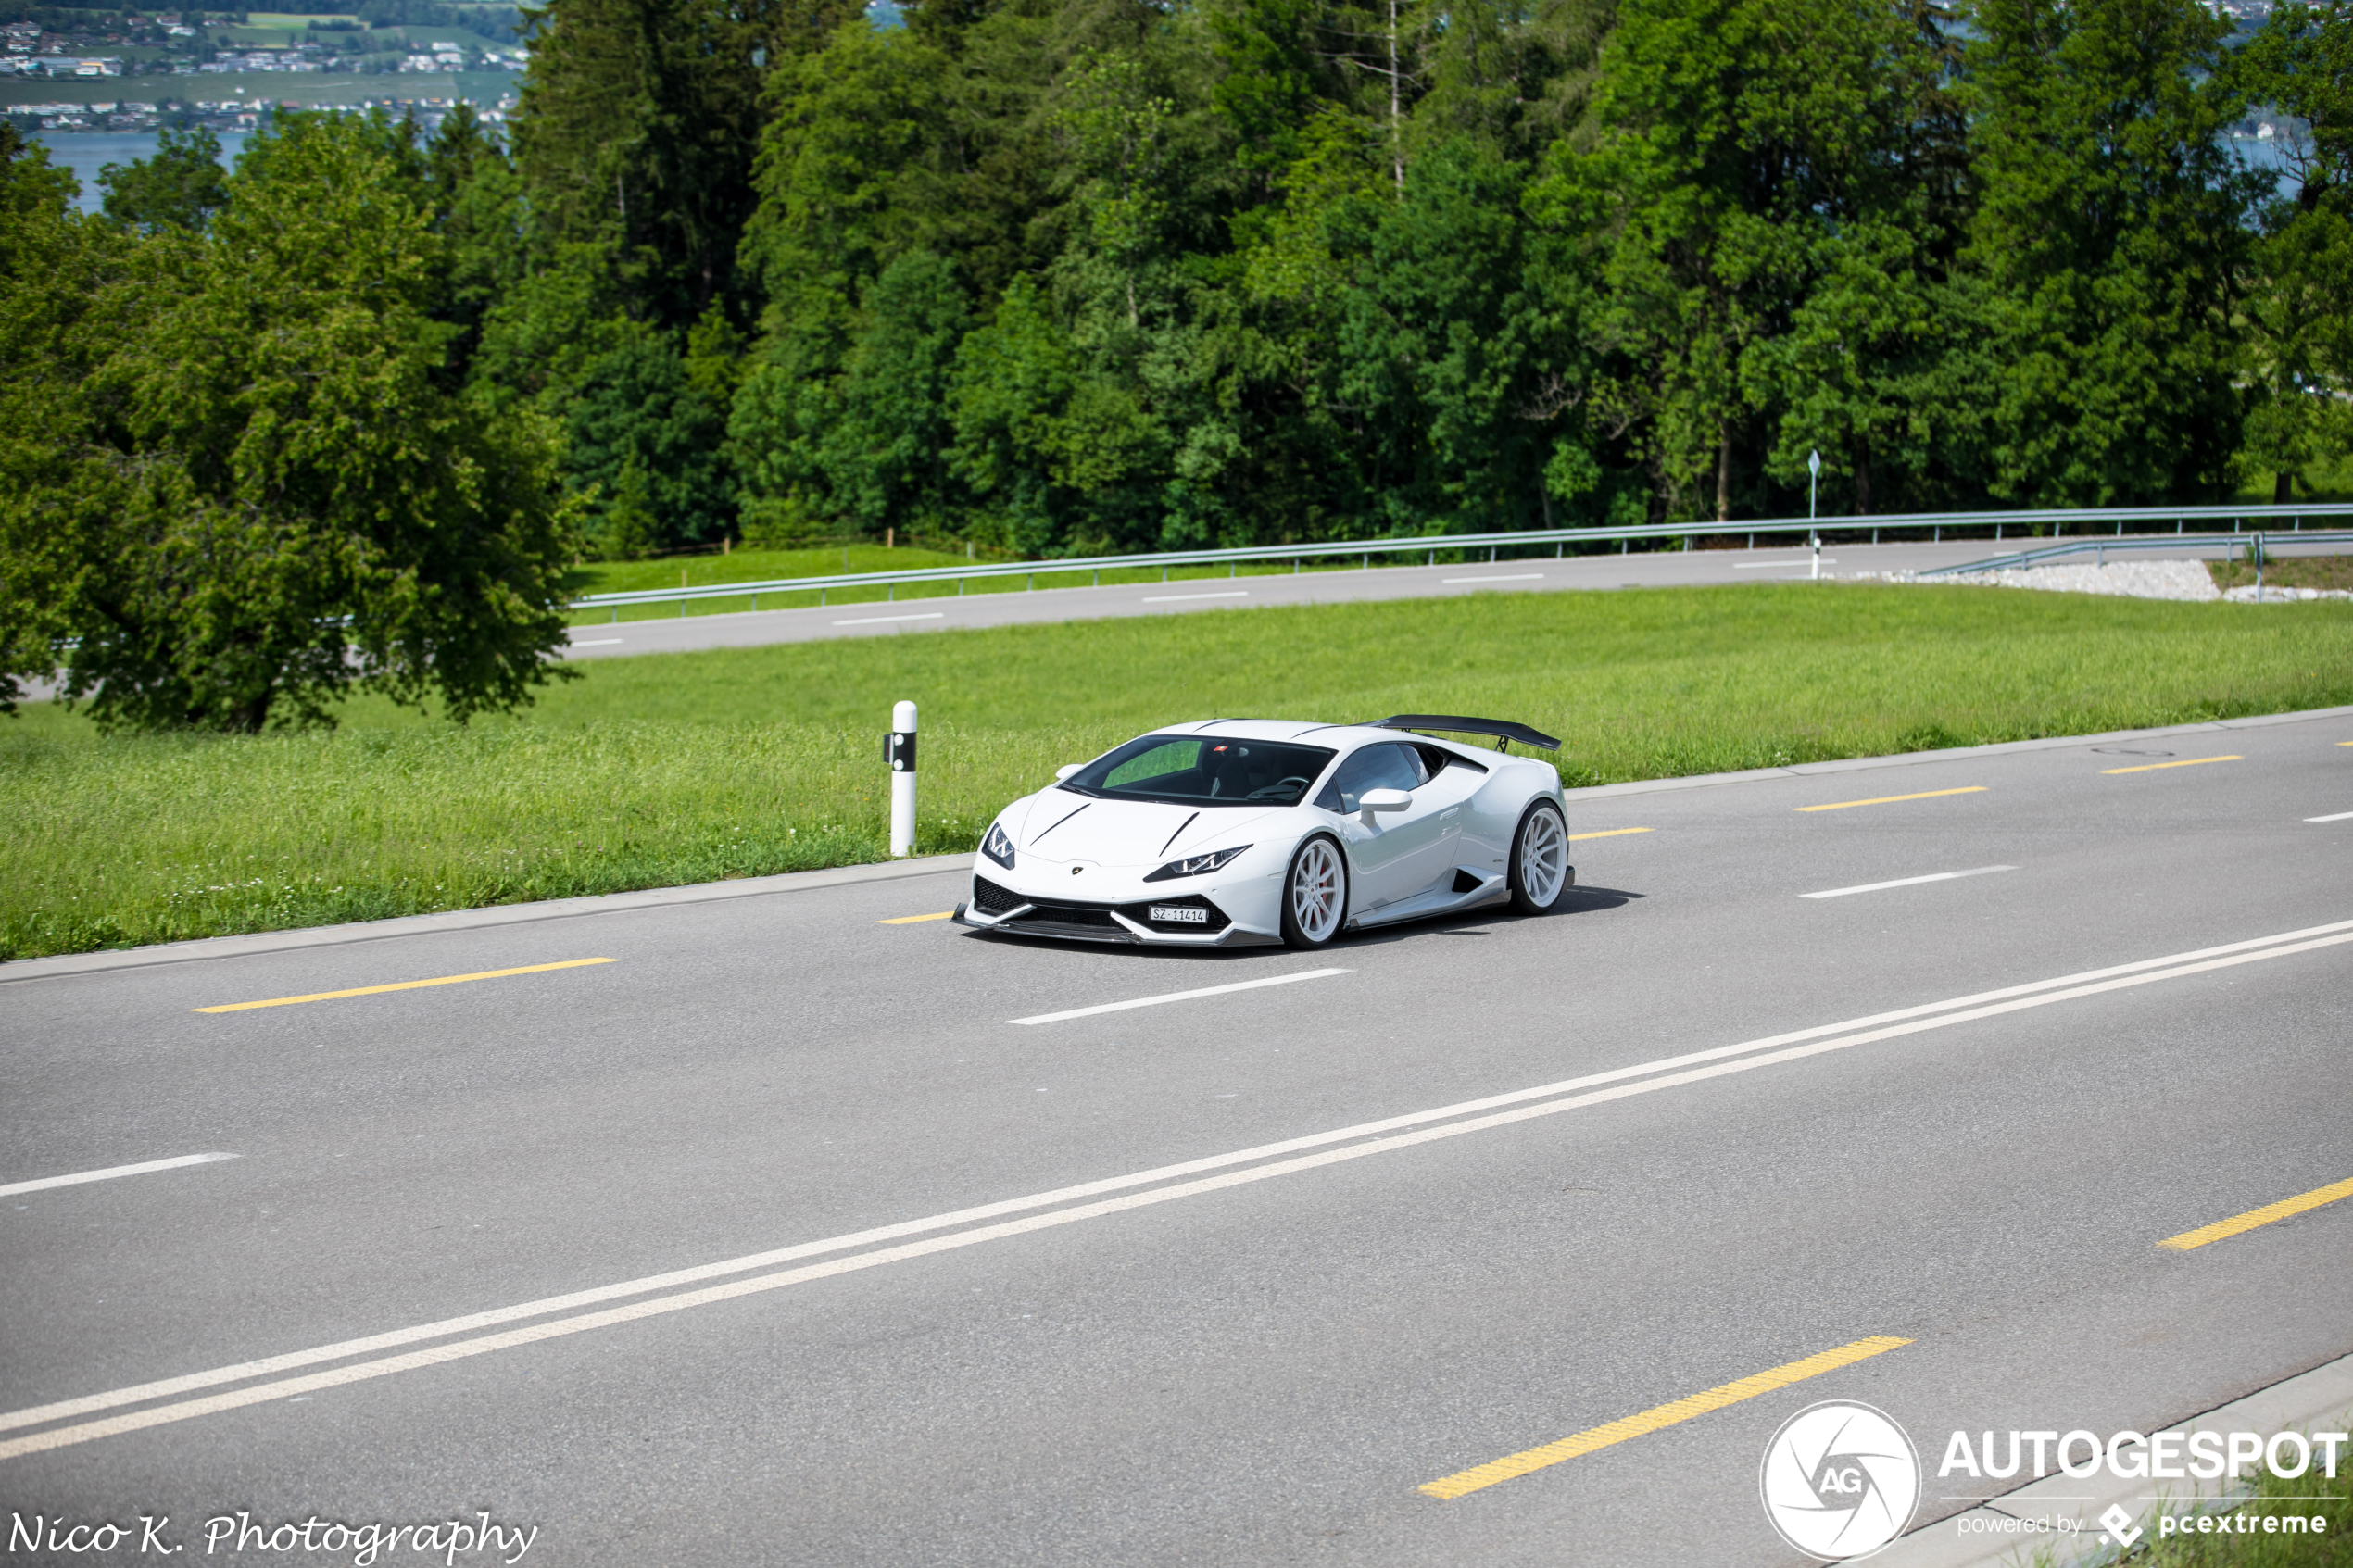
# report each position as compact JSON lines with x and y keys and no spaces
{"x":690,"y":766}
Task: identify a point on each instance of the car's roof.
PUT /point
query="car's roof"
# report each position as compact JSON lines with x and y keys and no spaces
{"x":1309,"y":732}
{"x":1340,"y":738}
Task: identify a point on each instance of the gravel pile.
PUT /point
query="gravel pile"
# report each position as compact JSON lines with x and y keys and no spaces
{"x":2270,"y":595}
{"x":2132,"y":578}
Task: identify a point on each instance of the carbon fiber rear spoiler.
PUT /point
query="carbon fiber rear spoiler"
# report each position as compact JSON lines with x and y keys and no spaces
{"x":1454,"y":723}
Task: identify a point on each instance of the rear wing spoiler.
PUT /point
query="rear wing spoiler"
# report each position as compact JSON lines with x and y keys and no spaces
{"x":1454,"y":723}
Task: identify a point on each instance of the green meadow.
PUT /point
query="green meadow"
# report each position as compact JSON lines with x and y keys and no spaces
{"x":682,"y":768}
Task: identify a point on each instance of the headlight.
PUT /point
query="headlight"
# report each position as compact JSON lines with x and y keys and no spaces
{"x":997,"y":847}
{"x":1196,"y":865}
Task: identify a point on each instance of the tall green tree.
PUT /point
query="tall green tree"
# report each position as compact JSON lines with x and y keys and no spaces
{"x":56,"y":270}
{"x":2299,"y":305}
{"x":1743,"y":152}
{"x":181,"y":186}
{"x":637,"y":130}
{"x":2111,"y":231}
{"x":268,"y":492}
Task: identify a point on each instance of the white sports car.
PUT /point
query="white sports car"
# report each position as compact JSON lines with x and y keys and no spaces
{"x":1250,"y":830}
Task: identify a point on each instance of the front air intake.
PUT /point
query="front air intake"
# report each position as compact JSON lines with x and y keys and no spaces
{"x":992,"y":900}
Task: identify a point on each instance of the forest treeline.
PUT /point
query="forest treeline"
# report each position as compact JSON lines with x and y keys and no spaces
{"x":1088,"y":275}
{"x":1099,"y":274}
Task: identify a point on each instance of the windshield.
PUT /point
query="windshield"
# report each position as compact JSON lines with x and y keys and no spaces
{"x":1203,"y":770}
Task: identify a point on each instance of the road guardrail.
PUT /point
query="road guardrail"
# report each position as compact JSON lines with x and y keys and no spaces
{"x":1520,"y":539}
{"x":2254,"y":543}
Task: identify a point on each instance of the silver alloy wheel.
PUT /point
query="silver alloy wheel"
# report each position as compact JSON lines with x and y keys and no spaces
{"x":1315,"y":891}
{"x":1543,"y":856}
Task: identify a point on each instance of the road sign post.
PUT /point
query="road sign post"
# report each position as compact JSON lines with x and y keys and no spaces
{"x":1813,"y":535}
{"x":899,"y":750}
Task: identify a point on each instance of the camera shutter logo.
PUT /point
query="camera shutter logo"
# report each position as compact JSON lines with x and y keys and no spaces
{"x":1839,"y":1481}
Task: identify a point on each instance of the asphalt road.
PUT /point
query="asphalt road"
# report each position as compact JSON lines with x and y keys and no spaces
{"x":946,"y":610}
{"x":1256,"y":1361}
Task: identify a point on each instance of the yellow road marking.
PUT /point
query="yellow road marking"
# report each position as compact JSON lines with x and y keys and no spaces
{"x":403,"y":985}
{"x":1504,"y":1468}
{"x":1613,"y":833}
{"x":917,"y":919}
{"x":1888,"y":799}
{"x":2186,"y":762}
{"x":2263,"y":1216}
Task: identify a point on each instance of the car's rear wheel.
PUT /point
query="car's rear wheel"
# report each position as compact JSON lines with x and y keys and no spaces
{"x":1539,"y":868}
{"x":1315,"y":894}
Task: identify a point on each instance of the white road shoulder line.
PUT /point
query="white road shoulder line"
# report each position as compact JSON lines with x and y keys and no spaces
{"x":110,"y":1173}
{"x":1171,"y":598}
{"x":1769,"y":565}
{"x":1514,"y":577}
{"x":1928,"y":1016}
{"x":2339,"y":817}
{"x":594,"y":642}
{"x":1907,"y":881}
{"x":1177,"y":996}
{"x":876,"y":619}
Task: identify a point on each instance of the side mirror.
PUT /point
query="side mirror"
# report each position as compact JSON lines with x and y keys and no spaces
{"x":1383,"y":801}
{"x":1063,"y":773}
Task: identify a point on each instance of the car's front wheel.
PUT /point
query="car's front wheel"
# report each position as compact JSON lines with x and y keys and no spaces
{"x":1315,"y":894}
{"x":1541,"y":871}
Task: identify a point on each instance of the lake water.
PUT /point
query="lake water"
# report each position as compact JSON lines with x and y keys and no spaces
{"x":86,"y":152}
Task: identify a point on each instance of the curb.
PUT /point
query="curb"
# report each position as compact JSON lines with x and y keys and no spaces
{"x":473,"y":919}
{"x":839,"y":876}
{"x":2053,"y":1517}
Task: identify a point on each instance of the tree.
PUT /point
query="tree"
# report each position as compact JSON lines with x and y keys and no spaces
{"x":2110,"y":232}
{"x":637,"y":131}
{"x":866,"y":449}
{"x":1743,"y":152}
{"x":637,"y":411}
{"x":1453,"y":366}
{"x":269,"y":495}
{"x":180,"y":187}
{"x":2299,"y":308}
{"x":52,"y":269}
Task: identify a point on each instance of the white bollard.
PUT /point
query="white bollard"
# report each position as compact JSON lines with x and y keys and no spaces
{"x":899,"y":749}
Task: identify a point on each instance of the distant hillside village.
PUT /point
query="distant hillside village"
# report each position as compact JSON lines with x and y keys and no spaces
{"x":53,"y":45}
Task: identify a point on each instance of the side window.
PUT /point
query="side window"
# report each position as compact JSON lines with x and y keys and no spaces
{"x":1376,"y":767}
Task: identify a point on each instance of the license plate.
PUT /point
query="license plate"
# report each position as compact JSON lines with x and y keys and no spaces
{"x":1178,"y":913}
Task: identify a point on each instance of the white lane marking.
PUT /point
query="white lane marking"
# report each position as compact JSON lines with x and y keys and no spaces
{"x":2116,"y":977}
{"x":2339,"y":817}
{"x":1171,"y":598}
{"x":1769,"y":565}
{"x":594,"y":642}
{"x":876,"y":619}
{"x":1179,"y":996}
{"x":1907,"y":881}
{"x":1007,"y":1206}
{"x":110,"y":1173}
{"x":1512,"y":577}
